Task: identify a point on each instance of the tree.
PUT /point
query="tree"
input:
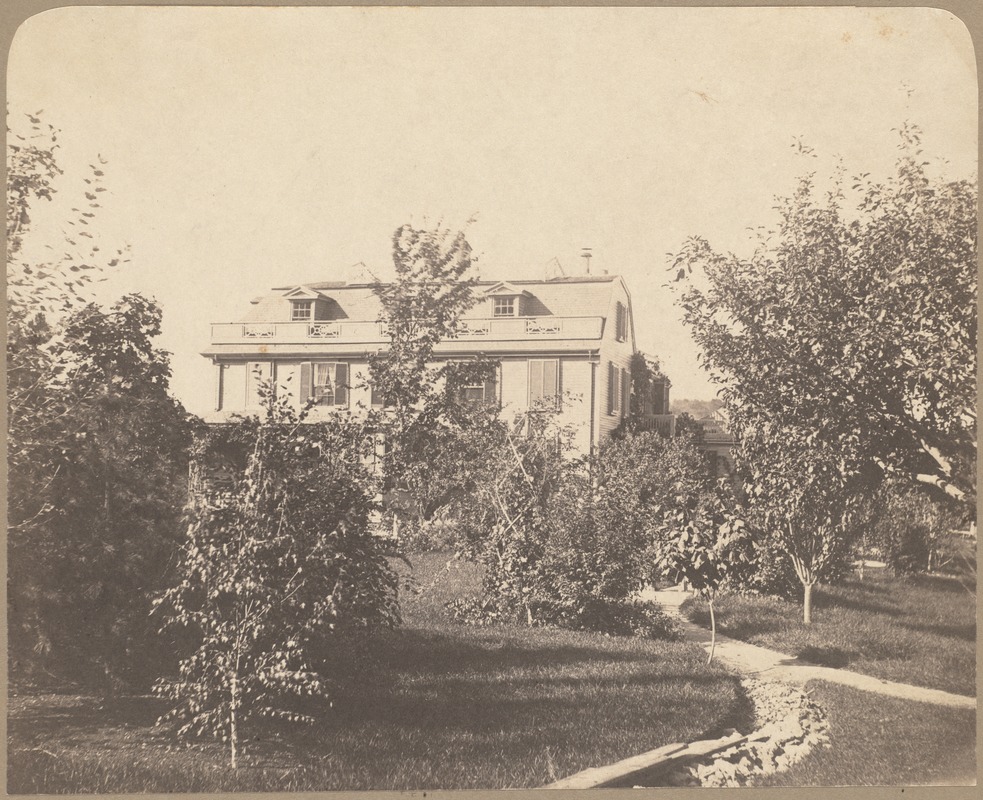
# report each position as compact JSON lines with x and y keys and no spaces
{"x":802,"y":496}
{"x":427,"y":422}
{"x":95,"y":443}
{"x":84,"y":565}
{"x":853,"y":327}
{"x":271,"y":570}
{"x":704,"y":540}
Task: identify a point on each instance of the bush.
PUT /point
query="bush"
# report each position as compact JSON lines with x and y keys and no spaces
{"x":624,"y":618}
{"x":912,"y":530}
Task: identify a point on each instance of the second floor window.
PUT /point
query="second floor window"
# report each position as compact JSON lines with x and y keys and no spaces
{"x":621,"y":322}
{"x":504,"y":306}
{"x":302,"y":310}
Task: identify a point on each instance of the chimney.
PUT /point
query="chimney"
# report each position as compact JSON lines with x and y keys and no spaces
{"x":585,"y":253}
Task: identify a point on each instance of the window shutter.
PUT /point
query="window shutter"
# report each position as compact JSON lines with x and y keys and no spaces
{"x":341,"y":385}
{"x":535,"y":382}
{"x":611,"y":387}
{"x":305,"y":382}
{"x":376,"y":396}
{"x":491,"y":391}
{"x":625,"y":392}
{"x":550,"y":381}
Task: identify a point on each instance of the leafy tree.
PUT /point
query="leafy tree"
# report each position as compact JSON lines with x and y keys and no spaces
{"x":426,"y":422}
{"x":802,"y":497}
{"x":95,"y":443}
{"x":273,"y":567}
{"x":704,"y":540}
{"x":854,"y":328}
{"x":82,"y":576}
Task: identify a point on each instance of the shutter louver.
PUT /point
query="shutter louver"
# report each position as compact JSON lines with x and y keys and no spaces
{"x":305,"y":382}
{"x":611,"y":387}
{"x":625,"y":392}
{"x":341,"y":385}
{"x":535,"y":382}
{"x":550,"y":383}
{"x":491,"y":391}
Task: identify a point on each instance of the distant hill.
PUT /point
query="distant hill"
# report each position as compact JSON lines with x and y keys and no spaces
{"x":697,"y":409}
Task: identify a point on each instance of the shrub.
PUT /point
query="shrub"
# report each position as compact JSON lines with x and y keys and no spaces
{"x":272,"y":569}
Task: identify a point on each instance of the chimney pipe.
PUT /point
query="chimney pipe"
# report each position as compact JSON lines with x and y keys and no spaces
{"x":586,"y":255}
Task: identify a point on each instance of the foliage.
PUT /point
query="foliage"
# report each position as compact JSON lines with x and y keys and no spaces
{"x":104,"y":524}
{"x":855,"y":327}
{"x":270,"y":570}
{"x":506,"y":519}
{"x":645,"y":376}
{"x":803,"y":496}
{"x":911,"y":531}
{"x":703,"y":539}
{"x":426,"y":421}
{"x":96,"y":446}
{"x":564,"y":542}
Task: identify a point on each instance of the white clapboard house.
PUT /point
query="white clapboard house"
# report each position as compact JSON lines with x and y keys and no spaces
{"x":569,"y":338}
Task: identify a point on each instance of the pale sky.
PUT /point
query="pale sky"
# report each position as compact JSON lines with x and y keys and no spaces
{"x":256,"y":147}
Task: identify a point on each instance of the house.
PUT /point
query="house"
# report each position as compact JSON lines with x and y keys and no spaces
{"x":569,"y":338}
{"x":718,"y":441}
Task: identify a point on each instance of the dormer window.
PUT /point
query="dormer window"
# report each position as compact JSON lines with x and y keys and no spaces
{"x":301,"y":310}
{"x":505,"y":306}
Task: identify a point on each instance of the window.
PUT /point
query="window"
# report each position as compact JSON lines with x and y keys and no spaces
{"x":481,"y":393}
{"x":620,"y":322}
{"x":544,"y":383}
{"x":301,"y":310}
{"x":504,"y":306}
{"x":326,"y":382}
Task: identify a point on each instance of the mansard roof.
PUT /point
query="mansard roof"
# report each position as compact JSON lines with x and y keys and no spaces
{"x":573,"y":296}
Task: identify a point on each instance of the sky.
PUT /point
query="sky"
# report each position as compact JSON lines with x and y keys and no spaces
{"x":248,"y":148}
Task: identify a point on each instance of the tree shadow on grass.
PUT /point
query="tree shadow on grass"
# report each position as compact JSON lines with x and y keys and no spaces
{"x":834,"y":657}
{"x":966,"y":632}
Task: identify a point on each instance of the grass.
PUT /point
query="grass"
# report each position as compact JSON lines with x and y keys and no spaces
{"x":883,"y":741}
{"x":919,"y":630}
{"x":434,"y":705}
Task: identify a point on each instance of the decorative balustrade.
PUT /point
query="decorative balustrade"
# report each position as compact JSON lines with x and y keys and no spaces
{"x":663,"y":424}
{"x":493,"y":329}
{"x":323,"y":330}
{"x":253,"y":331}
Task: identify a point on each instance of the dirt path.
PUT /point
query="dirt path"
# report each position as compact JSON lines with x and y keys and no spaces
{"x":760,"y":662}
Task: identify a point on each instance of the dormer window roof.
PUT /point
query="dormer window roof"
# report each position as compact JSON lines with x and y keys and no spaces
{"x":306,"y":304}
{"x":507,"y":300}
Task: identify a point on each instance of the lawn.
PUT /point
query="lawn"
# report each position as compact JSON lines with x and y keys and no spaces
{"x":877,"y":741}
{"x":919,"y":630}
{"x":435,"y":705}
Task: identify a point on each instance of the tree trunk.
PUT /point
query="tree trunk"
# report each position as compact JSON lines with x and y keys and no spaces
{"x":713,"y":631}
{"x":233,"y":730}
{"x":807,"y":604}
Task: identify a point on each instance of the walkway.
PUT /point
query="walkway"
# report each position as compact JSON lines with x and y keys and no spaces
{"x":760,"y":662}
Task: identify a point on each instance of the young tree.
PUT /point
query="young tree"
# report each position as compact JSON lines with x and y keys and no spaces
{"x":704,"y":540}
{"x":428,"y":424}
{"x":802,"y":495}
{"x":271,"y":570}
{"x":855,"y":326}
